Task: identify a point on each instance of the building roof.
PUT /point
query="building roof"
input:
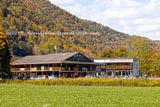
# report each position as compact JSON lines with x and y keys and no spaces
{"x":116,"y":58}
{"x":42,"y":59}
{"x":76,"y":62}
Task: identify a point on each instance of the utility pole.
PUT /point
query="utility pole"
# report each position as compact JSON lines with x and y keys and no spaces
{"x":30,"y":70}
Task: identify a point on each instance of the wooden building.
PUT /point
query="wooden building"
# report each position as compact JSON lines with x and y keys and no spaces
{"x":119,"y":66}
{"x":58,"y":64}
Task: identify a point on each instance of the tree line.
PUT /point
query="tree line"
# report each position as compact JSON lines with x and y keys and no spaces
{"x":149,"y":56}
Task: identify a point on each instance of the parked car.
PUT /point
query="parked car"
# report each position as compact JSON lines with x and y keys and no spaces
{"x":56,"y":76}
{"x":145,"y":76}
{"x":138,"y":77}
{"x":40,"y":77}
{"x":20,"y":76}
{"x":15,"y":77}
{"x":106,"y":76}
{"x":51,"y":77}
{"x":124,"y":77}
{"x":89,"y":76}
{"x":31,"y":78}
{"x":24,"y":78}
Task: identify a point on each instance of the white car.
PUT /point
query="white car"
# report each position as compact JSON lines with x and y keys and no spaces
{"x":51,"y":77}
{"x":89,"y":76}
{"x":40,"y":77}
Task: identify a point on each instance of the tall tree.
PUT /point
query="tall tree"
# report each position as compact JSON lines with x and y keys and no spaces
{"x":5,"y":55}
{"x":142,"y":50}
{"x":156,"y":63}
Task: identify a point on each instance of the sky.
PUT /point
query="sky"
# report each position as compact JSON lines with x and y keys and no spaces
{"x":134,"y":17}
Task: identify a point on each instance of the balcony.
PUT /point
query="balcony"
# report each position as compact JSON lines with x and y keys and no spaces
{"x":76,"y":69}
{"x":41,"y":69}
{"x":38,"y":69}
{"x":115,"y":67}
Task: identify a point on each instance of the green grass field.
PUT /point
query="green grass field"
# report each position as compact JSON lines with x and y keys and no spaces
{"x":22,"y":95}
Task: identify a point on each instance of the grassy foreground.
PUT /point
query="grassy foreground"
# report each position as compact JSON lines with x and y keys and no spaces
{"x":25,"y":95}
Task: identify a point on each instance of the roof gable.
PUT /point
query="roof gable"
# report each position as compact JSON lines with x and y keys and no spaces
{"x":79,"y":57}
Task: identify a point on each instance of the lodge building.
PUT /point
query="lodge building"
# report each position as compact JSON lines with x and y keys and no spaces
{"x":58,"y":64}
{"x":74,"y":65}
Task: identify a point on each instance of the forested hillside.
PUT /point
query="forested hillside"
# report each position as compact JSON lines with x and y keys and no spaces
{"x":25,"y":16}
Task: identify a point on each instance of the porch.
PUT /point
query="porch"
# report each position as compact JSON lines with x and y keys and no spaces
{"x":58,"y":69}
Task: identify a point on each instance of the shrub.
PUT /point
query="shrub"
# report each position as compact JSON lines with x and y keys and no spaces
{"x":89,"y":82}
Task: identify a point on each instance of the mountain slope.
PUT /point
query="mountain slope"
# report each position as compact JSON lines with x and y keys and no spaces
{"x":42,"y":16}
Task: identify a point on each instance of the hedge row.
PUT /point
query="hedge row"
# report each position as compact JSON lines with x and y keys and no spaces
{"x":89,"y":82}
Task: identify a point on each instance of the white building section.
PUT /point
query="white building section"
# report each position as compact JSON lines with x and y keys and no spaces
{"x":113,"y":60}
{"x":118,"y":67}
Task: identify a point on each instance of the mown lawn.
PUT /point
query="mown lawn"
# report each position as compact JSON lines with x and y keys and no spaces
{"x":23,"y":95}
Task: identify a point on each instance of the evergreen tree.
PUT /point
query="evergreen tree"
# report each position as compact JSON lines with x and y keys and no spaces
{"x":5,"y":55}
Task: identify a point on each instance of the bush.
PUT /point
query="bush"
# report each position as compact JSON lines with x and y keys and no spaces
{"x":89,"y":82}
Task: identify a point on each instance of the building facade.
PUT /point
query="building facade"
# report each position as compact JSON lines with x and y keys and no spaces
{"x":58,"y":64}
{"x":74,"y":65}
{"x":119,"y":66}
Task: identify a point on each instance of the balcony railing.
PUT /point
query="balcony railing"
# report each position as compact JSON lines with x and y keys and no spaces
{"x":119,"y":67}
{"x":36,"y":69}
{"x":39,"y":69}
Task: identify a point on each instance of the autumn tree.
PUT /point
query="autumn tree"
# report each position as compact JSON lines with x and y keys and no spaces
{"x":105,"y":53}
{"x":156,"y":63}
{"x":5,"y":55}
{"x":142,"y":50}
{"x":119,"y":52}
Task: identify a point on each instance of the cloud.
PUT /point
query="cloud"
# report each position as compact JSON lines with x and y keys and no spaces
{"x":72,"y":6}
{"x":77,"y":10}
{"x":135,"y":17}
{"x":62,"y":2}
